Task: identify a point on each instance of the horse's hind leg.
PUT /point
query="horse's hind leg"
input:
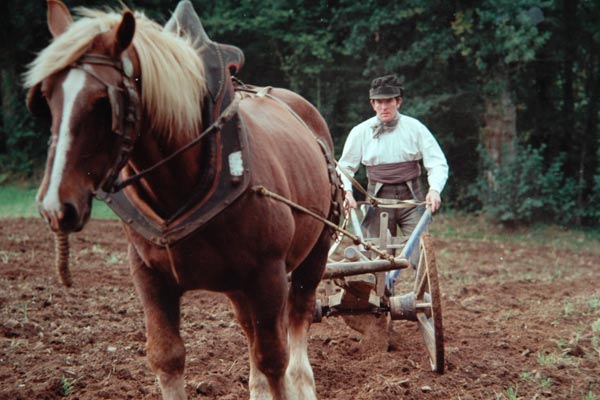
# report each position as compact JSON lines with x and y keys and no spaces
{"x":258,"y":382}
{"x":261,"y":310}
{"x":165,"y":349}
{"x":305,"y":280}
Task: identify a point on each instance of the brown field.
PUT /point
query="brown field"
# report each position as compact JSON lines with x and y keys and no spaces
{"x":521,"y":321}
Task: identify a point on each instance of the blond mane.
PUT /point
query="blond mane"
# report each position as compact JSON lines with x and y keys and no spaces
{"x":173,"y":79}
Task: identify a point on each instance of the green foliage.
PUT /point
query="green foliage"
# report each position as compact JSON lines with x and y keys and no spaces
{"x":500,"y":32}
{"x":592,"y":210}
{"x":451,"y":56}
{"x":23,"y":149}
{"x":523,"y":190}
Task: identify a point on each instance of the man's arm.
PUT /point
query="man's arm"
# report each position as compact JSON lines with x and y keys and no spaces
{"x":436,"y":165}
{"x":349,"y":162}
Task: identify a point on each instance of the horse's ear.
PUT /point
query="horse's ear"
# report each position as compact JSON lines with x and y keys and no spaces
{"x":59,"y":17}
{"x":125,"y":33}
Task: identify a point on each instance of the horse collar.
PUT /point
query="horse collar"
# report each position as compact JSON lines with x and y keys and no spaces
{"x":229,"y":179}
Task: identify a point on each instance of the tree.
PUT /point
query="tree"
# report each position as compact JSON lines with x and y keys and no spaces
{"x":498,"y":37}
{"x":21,"y":148}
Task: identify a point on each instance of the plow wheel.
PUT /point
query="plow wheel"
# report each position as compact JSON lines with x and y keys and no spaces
{"x":428,"y":304}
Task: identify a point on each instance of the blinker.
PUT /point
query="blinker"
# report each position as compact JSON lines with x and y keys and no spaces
{"x":127,"y":67}
{"x":37,"y":105}
{"x":116,"y":101}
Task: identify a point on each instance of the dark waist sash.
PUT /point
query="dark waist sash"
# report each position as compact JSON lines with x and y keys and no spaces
{"x":394,"y":173}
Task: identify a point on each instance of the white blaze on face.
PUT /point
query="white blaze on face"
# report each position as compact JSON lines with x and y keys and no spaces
{"x":71,"y":86}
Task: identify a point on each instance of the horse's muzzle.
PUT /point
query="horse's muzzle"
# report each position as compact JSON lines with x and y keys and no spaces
{"x":68,"y":218}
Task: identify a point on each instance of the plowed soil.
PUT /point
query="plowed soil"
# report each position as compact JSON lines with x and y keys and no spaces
{"x":521,"y":321}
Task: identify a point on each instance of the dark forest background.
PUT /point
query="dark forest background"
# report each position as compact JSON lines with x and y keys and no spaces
{"x":510,"y":88}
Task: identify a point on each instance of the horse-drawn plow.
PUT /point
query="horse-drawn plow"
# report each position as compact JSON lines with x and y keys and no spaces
{"x":179,"y":173}
{"x":374,"y":260}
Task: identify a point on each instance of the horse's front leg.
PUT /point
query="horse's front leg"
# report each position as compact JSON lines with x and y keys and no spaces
{"x":164,"y":346}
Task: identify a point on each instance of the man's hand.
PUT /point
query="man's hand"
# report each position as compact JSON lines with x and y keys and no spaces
{"x":349,"y":202}
{"x":434,"y":200}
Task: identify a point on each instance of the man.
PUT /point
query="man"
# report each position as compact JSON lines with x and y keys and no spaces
{"x":391,"y":145}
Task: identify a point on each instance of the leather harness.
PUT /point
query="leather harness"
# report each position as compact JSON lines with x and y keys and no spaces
{"x":125,"y":108}
{"x":227,"y":168}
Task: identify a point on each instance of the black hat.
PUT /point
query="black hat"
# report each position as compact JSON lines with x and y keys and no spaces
{"x":386,"y":87}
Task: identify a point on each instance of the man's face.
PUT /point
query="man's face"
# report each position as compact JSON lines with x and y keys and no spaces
{"x":386,"y":108}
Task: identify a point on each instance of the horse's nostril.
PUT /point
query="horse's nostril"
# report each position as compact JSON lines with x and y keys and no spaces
{"x":70,"y":214}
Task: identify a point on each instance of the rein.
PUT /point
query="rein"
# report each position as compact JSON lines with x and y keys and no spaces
{"x":263,"y":191}
{"x":126,"y":125}
{"x":216,"y":126}
{"x":374,"y":201}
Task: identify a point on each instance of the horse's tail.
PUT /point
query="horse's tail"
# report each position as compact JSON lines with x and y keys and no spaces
{"x":61,"y":249}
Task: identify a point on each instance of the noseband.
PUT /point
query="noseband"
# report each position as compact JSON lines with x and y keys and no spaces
{"x":125,"y":108}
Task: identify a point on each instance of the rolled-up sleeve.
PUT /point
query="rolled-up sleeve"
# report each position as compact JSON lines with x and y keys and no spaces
{"x":434,"y":161}
{"x":351,"y":157}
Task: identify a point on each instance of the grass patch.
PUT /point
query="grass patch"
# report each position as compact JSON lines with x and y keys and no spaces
{"x":452,"y":225}
{"x":590,"y":396}
{"x":100,"y":251}
{"x":18,"y":202}
{"x":512,"y":393}
{"x":67,"y":385}
{"x":536,"y":378}
{"x":545,"y":359}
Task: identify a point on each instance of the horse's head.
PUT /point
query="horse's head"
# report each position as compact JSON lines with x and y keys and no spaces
{"x":91,"y":104}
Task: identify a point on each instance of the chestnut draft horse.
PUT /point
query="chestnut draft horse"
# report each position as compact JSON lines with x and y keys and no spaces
{"x":262,"y":253}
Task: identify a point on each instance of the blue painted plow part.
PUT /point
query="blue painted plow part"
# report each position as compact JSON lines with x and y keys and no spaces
{"x":409,"y":247}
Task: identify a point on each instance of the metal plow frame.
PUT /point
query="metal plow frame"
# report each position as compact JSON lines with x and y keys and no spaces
{"x":422,"y":305}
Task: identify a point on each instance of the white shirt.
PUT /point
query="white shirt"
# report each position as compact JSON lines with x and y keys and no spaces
{"x":409,"y":141}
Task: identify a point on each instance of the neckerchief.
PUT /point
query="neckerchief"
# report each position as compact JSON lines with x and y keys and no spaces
{"x":382,"y":127}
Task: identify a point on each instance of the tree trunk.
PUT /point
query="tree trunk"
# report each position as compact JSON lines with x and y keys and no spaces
{"x":500,"y":129}
{"x":570,"y":36}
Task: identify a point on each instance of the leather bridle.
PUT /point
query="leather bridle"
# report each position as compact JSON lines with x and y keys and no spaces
{"x":126,"y":111}
{"x":125,"y":108}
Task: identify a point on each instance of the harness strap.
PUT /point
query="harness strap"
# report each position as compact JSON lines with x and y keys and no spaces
{"x":172,"y":264}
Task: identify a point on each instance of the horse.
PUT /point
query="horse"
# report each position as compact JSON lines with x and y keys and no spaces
{"x":120,"y":94}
